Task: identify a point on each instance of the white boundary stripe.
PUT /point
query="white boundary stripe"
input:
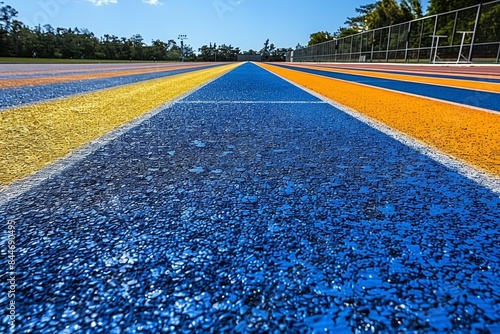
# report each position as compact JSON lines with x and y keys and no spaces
{"x":409,"y":94}
{"x":411,"y":81}
{"x":19,"y":187}
{"x":52,"y":99}
{"x":251,"y":102}
{"x":475,"y":174}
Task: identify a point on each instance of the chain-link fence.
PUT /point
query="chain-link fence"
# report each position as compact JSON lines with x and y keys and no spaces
{"x":465,"y":35}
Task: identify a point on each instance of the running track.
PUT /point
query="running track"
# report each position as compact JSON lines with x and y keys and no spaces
{"x":251,"y":205}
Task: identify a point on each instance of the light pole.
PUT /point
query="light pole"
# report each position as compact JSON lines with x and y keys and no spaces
{"x":182,"y":38}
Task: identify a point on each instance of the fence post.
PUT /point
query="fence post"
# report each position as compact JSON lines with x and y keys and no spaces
{"x":454,"y":29}
{"x":478,"y":16}
{"x":388,"y":45}
{"x":341,"y":51}
{"x":407,"y":41}
{"x":373,"y":45}
{"x":361,"y":45}
{"x":350,"y":52}
{"x":336,"y":47}
{"x":434,"y":34}
{"x":464,"y":33}
{"x":420,"y":40}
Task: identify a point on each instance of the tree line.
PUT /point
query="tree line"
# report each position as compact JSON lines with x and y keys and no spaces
{"x":20,"y":40}
{"x":384,"y":13}
{"x":214,"y":52}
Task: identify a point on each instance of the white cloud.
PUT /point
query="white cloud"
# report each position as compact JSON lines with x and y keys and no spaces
{"x":102,"y":2}
{"x":152,"y":2}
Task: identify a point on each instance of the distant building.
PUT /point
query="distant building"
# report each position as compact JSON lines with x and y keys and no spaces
{"x":249,"y":58}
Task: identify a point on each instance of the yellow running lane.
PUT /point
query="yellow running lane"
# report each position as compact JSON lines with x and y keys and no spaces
{"x":448,"y":82}
{"x":34,"y":136}
{"x":467,"y":134}
{"x":45,"y":80}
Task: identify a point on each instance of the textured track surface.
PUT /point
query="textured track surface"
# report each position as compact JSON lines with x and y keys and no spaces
{"x":481,"y":94}
{"x":64,"y":86}
{"x":52,"y":78}
{"x":462,"y":132}
{"x":450,"y":71}
{"x":251,"y":206}
{"x":35,"y":135}
{"x":40,"y":70}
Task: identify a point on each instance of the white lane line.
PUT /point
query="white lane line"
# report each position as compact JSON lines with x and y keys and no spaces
{"x":19,"y":187}
{"x":62,"y":97}
{"x":374,"y":77}
{"x":473,"y":92}
{"x":480,"y":176}
{"x":251,"y":102}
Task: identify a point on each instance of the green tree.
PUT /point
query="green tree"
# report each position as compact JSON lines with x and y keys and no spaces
{"x":157,"y":50}
{"x":222,"y":52}
{"x":226,"y":53}
{"x":442,"y":6}
{"x":125,"y":49}
{"x":109,"y":47}
{"x":7,"y":15}
{"x":320,"y":37}
{"x":174,"y":53}
{"x":17,"y":39}
{"x":489,"y":26}
{"x":413,"y":7}
{"x":137,"y":47}
{"x":272,"y":49}
{"x":265,"y":50}
{"x":250,"y":52}
{"x":206,"y":53}
{"x":189,"y":53}
{"x":388,"y":12}
{"x":347,"y":31}
{"x":358,"y":23}
{"x":279,"y":54}
{"x":380,"y":14}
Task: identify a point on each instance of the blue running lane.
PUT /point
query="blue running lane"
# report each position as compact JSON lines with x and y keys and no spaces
{"x":480,"y":99}
{"x":12,"y":97}
{"x":419,"y":74}
{"x":251,"y":207}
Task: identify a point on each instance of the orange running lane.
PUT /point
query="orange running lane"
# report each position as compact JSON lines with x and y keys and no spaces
{"x":448,"y":82}
{"x":61,"y":68}
{"x":12,"y":83}
{"x":449,"y":70}
{"x":466,"y":134}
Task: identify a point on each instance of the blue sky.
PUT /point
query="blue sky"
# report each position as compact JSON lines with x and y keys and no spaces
{"x":242,"y":23}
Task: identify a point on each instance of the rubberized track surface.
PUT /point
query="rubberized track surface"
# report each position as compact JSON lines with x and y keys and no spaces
{"x":466,"y":129}
{"x":447,"y":89}
{"x":491,"y":71}
{"x":43,"y":85}
{"x":36,"y":135}
{"x":253,"y":206}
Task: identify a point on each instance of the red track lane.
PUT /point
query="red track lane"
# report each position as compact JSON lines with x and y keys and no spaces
{"x":481,"y":71}
{"x":51,"y":69}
